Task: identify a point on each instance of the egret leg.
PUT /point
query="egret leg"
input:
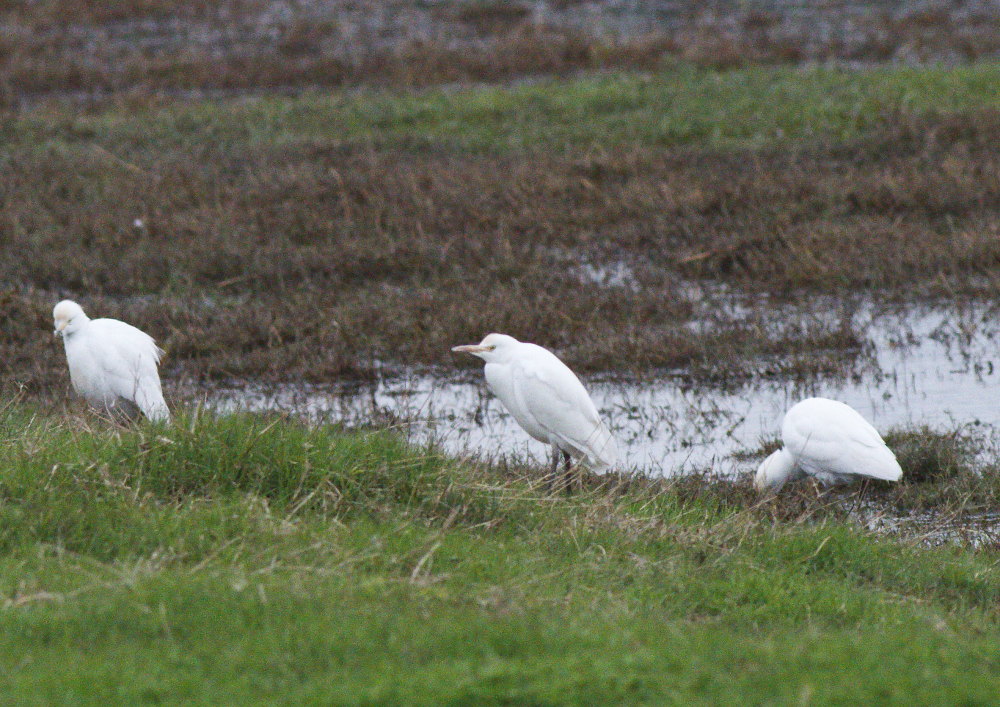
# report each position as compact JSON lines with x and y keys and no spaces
{"x":123,"y":412}
{"x":550,"y":479}
{"x":863,"y":491}
{"x":568,"y":476}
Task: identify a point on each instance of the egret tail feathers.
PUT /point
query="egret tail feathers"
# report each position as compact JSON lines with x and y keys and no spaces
{"x":601,"y":450}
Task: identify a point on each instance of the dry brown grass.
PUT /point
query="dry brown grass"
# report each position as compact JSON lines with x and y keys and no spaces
{"x":316,"y":259}
{"x":88,"y":49}
{"x":94,"y":48}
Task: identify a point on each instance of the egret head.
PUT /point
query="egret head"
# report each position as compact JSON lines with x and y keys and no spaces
{"x":774,"y":471}
{"x":68,"y":317}
{"x":495,"y":347}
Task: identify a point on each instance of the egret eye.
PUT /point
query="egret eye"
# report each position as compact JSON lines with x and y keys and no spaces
{"x":493,"y":348}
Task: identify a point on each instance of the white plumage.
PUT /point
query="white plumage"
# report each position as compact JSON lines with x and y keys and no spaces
{"x":111,"y":364}
{"x":547,"y":400}
{"x":829,"y":441}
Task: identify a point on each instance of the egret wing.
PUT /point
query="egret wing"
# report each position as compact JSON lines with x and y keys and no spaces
{"x":129,"y":358}
{"x":558,"y":402}
{"x":500,"y":379}
{"x":826,"y":436}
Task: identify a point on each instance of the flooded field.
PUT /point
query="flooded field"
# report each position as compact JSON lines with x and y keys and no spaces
{"x":976,"y":530}
{"x":86,"y":51}
{"x":933,"y":366}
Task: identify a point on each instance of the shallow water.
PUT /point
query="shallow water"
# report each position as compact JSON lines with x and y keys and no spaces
{"x":977,"y":530}
{"x":934,"y":367}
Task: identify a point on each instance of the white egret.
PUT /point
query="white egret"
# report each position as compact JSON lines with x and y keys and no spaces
{"x":111,"y":364}
{"x":547,"y":400}
{"x":829,"y":441}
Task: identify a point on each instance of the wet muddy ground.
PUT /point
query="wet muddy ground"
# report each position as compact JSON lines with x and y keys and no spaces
{"x":82,"y":49}
{"x":978,"y":530}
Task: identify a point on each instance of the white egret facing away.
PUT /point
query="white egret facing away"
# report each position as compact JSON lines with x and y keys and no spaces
{"x":547,"y":400}
{"x":829,"y":441}
{"x":111,"y":364}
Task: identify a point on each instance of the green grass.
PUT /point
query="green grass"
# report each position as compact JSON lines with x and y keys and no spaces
{"x":227,"y":560}
{"x":749,"y":107}
{"x":684,"y":105}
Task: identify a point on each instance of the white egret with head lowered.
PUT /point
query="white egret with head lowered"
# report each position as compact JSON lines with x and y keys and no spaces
{"x":829,"y":441}
{"x":111,"y":364}
{"x":548,"y":401}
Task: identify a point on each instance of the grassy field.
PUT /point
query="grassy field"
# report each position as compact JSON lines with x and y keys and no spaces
{"x":642,"y":221}
{"x":250,"y":558}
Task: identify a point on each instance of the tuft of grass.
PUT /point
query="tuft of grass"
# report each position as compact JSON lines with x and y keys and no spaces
{"x":933,"y":456}
{"x":148,"y":474}
{"x":949,"y":474}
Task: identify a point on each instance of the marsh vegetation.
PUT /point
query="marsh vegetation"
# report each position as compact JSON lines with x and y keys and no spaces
{"x":309,"y":197}
{"x":310,"y":237}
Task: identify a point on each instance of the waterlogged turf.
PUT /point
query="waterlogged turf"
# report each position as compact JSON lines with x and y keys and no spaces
{"x":633,"y":223}
{"x":252,"y":558}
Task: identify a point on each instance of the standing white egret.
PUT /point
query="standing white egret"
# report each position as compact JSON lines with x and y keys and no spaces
{"x":547,"y":400}
{"x":111,"y":364}
{"x":829,"y":441}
